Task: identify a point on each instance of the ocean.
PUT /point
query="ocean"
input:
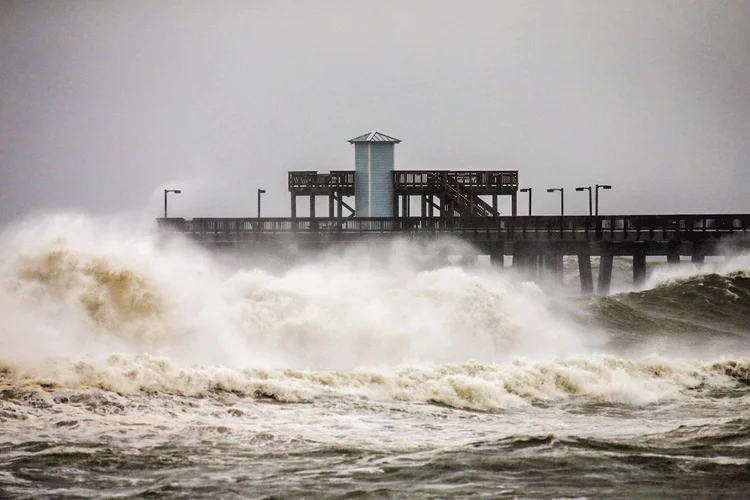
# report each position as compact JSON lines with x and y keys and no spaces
{"x":134,"y":367}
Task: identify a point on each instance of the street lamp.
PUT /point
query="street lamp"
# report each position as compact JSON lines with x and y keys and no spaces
{"x":598,"y":187}
{"x":260,"y":192}
{"x":528,"y":190}
{"x":166,"y":191}
{"x":587,"y":188}
{"x":562,"y":199}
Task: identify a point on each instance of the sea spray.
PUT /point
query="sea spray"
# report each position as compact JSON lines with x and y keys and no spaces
{"x":77,"y":290}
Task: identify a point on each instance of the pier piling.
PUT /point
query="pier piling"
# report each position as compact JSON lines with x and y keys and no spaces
{"x":584,"y":271}
{"x":639,"y":267}
{"x":605,"y":273}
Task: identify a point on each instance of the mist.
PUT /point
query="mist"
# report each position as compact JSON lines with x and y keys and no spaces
{"x":105,"y":104}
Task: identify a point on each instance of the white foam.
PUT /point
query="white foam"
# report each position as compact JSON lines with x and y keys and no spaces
{"x":75,"y":287}
{"x":472,"y":385}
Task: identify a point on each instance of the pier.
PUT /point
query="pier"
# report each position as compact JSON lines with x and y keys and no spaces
{"x":535,"y":243}
{"x":464,"y":204}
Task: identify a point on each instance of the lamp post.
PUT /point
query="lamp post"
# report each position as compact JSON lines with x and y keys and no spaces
{"x":587,"y":188}
{"x":528,"y":190}
{"x":167,"y":191}
{"x":260,"y":192}
{"x":598,"y":187}
{"x":562,"y":199}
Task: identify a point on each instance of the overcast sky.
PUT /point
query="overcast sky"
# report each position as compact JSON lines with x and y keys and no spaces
{"x":103,"y":104}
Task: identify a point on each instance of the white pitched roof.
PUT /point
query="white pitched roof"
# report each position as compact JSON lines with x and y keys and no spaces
{"x":375,"y":137}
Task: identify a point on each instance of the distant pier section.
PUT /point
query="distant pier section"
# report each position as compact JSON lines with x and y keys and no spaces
{"x":464,"y":205}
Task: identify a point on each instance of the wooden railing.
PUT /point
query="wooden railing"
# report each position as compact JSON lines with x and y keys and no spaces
{"x":470,"y":179}
{"x":603,"y":228}
{"x":466,"y":202}
{"x":313,"y":180}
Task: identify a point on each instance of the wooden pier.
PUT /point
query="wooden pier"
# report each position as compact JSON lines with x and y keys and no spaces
{"x":536,"y":243}
{"x":444,"y":193}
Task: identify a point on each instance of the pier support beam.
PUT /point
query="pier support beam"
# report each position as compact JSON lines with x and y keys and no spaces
{"x":294,"y":206}
{"x":673,"y":253}
{"x":639,"y":267}
{"x":553,"y":264}
{"x":532,"y":265}
{"x":526,"y":259}
{"x":519,"y":257}
{"x":699,"y":253}
{"x":584,"y":271}
{"x":497,"y":254}
{"x":605,"y":273}
{"x":312,"y":206}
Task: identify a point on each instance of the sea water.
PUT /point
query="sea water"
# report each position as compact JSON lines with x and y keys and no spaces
{"x":132,"y":366}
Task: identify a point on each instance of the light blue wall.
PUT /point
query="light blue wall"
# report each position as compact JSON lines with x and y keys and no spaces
{"x":361,"y":179}
{"x":373,"y":164}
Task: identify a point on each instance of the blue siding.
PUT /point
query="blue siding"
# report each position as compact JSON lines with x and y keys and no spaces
{"x":381,"y":191}
{"x":361,"y":179}
{"x":373,"y":164}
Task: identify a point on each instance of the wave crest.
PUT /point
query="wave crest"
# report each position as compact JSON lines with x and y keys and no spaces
{"x":472,"y":385}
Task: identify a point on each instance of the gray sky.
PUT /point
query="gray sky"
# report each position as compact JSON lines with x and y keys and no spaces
{"x":103,"y":104}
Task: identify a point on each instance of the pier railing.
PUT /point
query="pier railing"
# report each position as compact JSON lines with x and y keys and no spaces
{"x":313,"y":180}
{"x":403,"y":179}
{"x":584,"y":228}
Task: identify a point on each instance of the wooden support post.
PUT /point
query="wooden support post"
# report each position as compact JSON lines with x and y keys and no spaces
{"x":514,"y":204}
{"x":395,"y":205}
{"x":494,"y":202}
{"x":699,"y":253}
{"x":497,"y":254}
{"x":533,"y":264}
{"x":331,"y":212}
{"x":553,"y":263}
{"x":340,"y":205}
{"x":605,"y":274}
{"x":431,"y":206}
{"x":639,"y":267}
{"x":673,"y":253}
{"x":312,"y":206}
{"x":520,"y":259}
{"x":294,"y":205}
{"x":423,"y":211}
{"x":584,"y":271}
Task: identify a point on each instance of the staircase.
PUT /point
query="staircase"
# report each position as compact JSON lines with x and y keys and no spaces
{"x":464,"y":202}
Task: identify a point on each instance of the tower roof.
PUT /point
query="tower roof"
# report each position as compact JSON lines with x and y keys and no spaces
{"x":375,"y":137}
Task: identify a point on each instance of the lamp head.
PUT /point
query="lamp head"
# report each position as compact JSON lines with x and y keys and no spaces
{"x":176,"y":191}
{"x":525,"y":190}
{"x":552,"y":190}
{"x":582,"y":188}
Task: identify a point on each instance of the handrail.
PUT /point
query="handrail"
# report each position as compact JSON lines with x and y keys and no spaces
{"x":307,"y":179}
{"x":312,"y":179}
{"x":470,"y":203}
{"x":432,"y":178}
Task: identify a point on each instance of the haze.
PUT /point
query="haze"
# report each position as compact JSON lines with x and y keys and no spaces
{"x":104,"y":104}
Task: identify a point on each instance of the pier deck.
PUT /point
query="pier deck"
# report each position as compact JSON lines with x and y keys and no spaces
{"x":536,"y":242}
